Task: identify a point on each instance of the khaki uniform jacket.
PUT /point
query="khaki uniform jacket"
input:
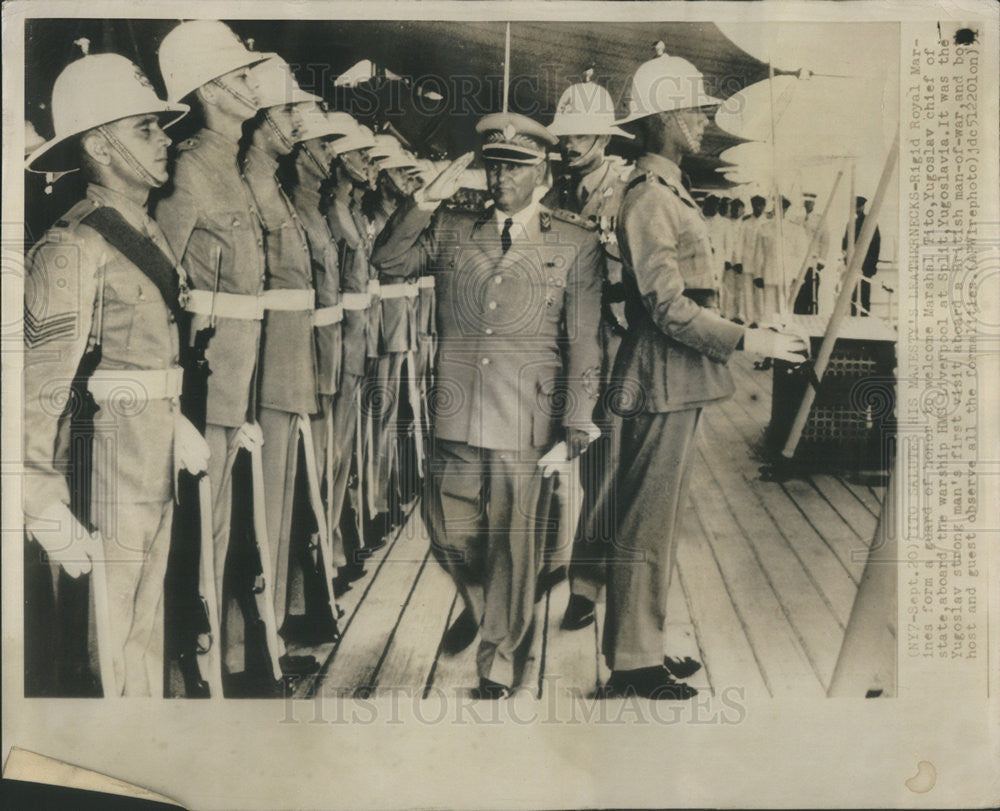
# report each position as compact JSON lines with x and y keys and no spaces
{"x":288,"y":351}
{"x":66,"y":272}
{"x":209,"y":207}
{"x":355,"y":273}
{"x":399,"y":315}
{"x":326,"y":280}
{"x":673,"y":356}
{"x":518,"y":354}
{"x":596,"y":198}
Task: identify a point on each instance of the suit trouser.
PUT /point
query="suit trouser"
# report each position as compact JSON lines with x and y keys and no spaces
{"x":750,"y":313}
{"x":345,"y":416}
{"x":730,"y":293}
{"x":136,"y":547}
{"x":486,"y":512}
{"x":329,"y":461}
{"x":384,"y":401}
{"x":279,"y":457}
{"x":651,"y":491}
{"x":768,"y":304}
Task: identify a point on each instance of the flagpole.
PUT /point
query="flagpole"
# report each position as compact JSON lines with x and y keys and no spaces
{"x":506,"y":70}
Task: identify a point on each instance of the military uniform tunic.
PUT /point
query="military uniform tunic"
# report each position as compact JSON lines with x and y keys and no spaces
{"x":503,"y":394}
{"x":287,"y":363}
{"x":208,"y":210}
{"x":671,"y":364}
{"x":79,"y":291}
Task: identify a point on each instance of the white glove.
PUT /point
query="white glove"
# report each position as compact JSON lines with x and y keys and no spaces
{"x":249,"y":436}
{"x":64,"y":539}
{"x":770,"y":343}
{"x":555,"y":461}
{"x":190,"y":448}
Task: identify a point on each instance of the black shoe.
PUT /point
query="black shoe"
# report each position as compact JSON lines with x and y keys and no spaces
{"x":461,"y":633}
{"x":681,"y":668}
{"x":491,"y":690}
{"x":351,"y":572}
{"x":247,"y":685}
{"x":305,"y":629}
{"x":649,"y":682}
{"x":298,"y":665}
{"x":579,"y":613}
{"x":738,"y":321}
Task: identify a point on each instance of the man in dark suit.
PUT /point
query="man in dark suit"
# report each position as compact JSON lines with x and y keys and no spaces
{"x":862,"y":298}
{"x":518,"y":368}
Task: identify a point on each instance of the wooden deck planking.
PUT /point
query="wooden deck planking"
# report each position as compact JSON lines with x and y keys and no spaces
{"x":833,"y":580}
{"x":348,"y":603}
{"x":455,"y":675}
{"x":778,"y":649}
{"x":569,"y":657}
{"x":799,"y":594}
{"x":414,"y":647}
{"x":823,"y":518}
{"x":729,"y":658}
{"x":357,"y":658}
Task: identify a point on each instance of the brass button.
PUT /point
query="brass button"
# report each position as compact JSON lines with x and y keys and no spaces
{"x":492,"y":305}
{"x":497,"y":279}
{"x":485,"y":361}
{"x":489,"y":330}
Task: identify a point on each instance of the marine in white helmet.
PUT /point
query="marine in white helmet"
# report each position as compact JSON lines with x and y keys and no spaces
{"x":214,"y":228}
{"x":102,"y":298}
{"x":672,"y":363}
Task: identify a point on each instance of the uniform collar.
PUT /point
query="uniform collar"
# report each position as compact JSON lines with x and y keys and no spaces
{"x":259,"y":161}
{"x":135,"y":214}
{"x":218,"y":143}
{"x":522,"y":218}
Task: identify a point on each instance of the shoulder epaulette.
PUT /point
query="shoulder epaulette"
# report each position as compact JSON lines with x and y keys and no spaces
{"x":663,"y":182}
{"x":563,"y":215}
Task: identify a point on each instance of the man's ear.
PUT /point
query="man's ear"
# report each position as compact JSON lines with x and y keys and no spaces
{"x":206,"y":94}
{"x":95,"y":146}
{"x":603,"y":141}
{"x":541,"y":173}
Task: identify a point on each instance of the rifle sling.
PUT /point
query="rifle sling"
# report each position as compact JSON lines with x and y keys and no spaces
{"x":141,"y":251}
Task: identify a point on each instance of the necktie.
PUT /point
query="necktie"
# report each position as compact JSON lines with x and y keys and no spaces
{"x":505,"y":235}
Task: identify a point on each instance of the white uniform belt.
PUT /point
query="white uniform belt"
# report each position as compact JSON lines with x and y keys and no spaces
{"x":425,"y":281}
{"x":290,"y":300}
{"x":246,"y":307}
{"x":374,"y":288}
{"x":399,"y":290}
{"x":136,"y":384}
{"x":355,"y":301}
{"x":325,"y":316}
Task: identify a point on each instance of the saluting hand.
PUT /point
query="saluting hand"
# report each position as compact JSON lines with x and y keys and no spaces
{"x":446,"y":184}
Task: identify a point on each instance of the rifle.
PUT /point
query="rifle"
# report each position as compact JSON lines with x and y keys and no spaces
{"x":82,"y":409}
{"x":194,"y":616}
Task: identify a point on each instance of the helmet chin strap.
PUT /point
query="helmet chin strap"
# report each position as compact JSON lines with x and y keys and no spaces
{"x":249,"y":102}
{"x":686,"y":132}
{"x":129,"y":158}
{"x":586,"y":157}
{"x":324,"y":171}
{"x":283,"y":139}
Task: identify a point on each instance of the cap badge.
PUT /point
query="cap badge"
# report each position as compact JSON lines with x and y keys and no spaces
{"x":509,"y":131}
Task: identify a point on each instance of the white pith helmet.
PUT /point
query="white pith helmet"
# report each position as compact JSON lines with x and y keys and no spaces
{"x":97,"y":89}
{"x":666,"y":83}
{"x":196,"y":52}
{"x":278,"y":86}
{"x":585,"y":109}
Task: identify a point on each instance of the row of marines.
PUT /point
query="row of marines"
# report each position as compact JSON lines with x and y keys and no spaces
{"x":311,"y":323}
